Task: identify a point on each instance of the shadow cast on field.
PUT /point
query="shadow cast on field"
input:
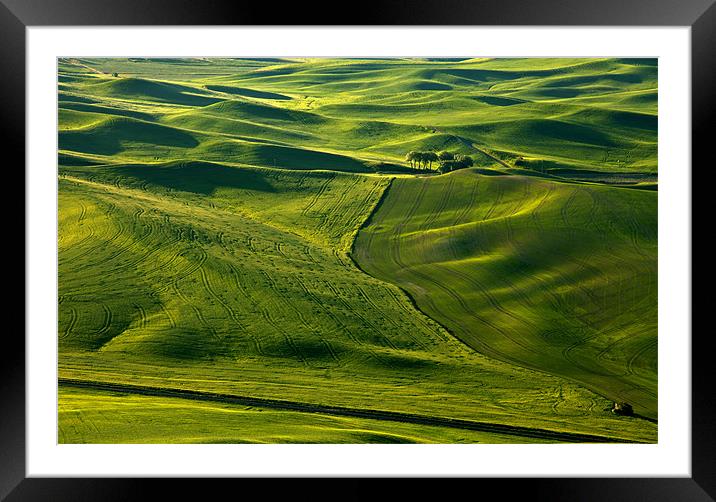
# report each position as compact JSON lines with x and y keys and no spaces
{"x":113,"y":135}
{"x":92,"y":108}
{"x":196,"y":177}
{"x":498,"y":100}
{"x":245,"y":91}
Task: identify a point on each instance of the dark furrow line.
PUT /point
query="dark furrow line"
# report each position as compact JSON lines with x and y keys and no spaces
{"x":315,"y":199}
{"x":393,"y":416}
{"x":71,"y":324}
{"x":244,"y":291}
{"x":350,"y":254}
{"x":405,"y":292}
{"x":468,"y":207}
{"x":447,"y":192}
{"x":369,"y":219}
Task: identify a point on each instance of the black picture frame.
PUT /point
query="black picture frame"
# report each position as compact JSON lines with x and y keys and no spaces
{"x":700,"y":15}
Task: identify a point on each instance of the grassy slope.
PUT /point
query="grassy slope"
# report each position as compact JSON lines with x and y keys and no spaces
{"x":92,"y":417}
{"x":243,"y":285}
{"x":217,"y":275}
{"x":550,"y":275}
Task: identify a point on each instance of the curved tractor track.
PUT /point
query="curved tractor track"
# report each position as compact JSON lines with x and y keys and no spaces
{"x":528,"y":257}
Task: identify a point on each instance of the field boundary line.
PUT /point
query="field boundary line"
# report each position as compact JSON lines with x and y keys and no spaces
{"x":393,"y":416}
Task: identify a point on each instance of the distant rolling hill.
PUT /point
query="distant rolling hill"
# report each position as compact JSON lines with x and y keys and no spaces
{"x":375,"y":110}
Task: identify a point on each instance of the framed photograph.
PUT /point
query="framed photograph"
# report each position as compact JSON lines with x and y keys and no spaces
{"x":446,"y":240}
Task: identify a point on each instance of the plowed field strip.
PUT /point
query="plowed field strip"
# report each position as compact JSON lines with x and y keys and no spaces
{"x":342,"y":411}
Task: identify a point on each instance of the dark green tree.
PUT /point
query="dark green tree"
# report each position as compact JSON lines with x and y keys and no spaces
{"x":466,"y":161}
{"x":445,"y":156}
{"x":420,"y":159}
{"x":430,"y":157}
{"x":411,"y":157}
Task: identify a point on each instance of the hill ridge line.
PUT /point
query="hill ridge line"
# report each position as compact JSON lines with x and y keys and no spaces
{"x":405,"y":293}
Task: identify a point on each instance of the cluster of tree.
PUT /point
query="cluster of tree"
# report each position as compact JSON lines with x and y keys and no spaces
{"x":421,"y":160}
{"x":450,"y":162}
{"x":446,"y":161}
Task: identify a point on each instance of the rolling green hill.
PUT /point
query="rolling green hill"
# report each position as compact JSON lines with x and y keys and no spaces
{"x":548,"y":275}
{"x":209,"y":212}
{"x":375,"y":110}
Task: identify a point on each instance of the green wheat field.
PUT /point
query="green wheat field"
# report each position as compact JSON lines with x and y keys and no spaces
{"x":357,"y":250}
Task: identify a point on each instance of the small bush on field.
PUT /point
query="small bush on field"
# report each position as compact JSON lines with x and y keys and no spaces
{"x":624,"y":409}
